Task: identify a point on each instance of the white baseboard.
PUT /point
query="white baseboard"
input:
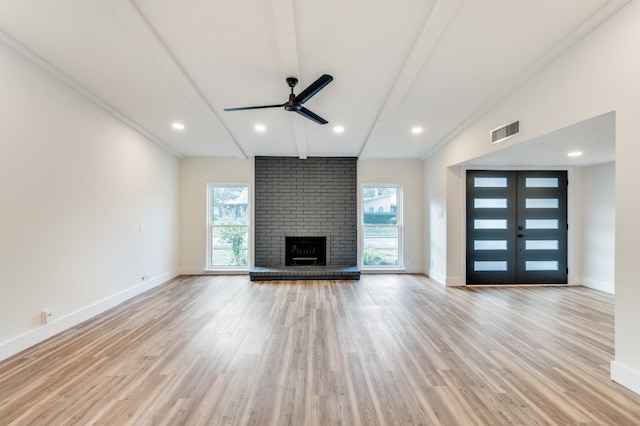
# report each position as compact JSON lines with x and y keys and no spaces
{"x":407,"y":270}
{"x":192,"y":270}
{"x":196,"y":270}
{"x":35,"y":336}
{"x":413,"y":269}
{"x":199,"y":270}
{"x":437,"y":277}
{"x":627,"y":377}
{"x":607,"y":287}
{"x":448,"y":282}
{"x":455,"y":282}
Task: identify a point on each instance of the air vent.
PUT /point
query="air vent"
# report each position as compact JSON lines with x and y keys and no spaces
{"x":504,"y":132}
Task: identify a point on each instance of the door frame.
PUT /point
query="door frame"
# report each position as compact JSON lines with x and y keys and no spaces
{"x":573,"y":243}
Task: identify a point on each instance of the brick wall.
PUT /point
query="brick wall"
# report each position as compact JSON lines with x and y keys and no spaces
{"x":312,"y":197}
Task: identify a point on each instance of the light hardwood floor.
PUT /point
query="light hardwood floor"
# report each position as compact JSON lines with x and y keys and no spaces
{"x":389,"y":349}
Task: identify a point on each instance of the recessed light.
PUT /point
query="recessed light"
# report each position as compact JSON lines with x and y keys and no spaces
{"x":575,"y":154}
{"x":178,"y":126}
{"x":260,"y":128}
{"x":338,"y":129}
{"x":416,"y":130}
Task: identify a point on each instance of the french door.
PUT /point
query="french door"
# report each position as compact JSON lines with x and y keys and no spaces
{"x":516,"y":227}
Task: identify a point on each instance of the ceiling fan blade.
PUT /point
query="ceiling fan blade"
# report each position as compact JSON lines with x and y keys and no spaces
{"x":311,"y":116}
{"x":254,"y":107}
{"x":313,"y":88}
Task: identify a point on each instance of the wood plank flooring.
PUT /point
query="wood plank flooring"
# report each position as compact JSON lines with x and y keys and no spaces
{"x":385,"y":350}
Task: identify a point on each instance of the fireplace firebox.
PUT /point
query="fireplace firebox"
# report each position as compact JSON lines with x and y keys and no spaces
{"x":301,"y":251}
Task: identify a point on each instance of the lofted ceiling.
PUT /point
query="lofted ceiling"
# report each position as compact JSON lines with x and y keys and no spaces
{"x":439,"y":65}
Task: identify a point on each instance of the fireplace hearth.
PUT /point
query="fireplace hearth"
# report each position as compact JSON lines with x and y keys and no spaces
{"x":305,"y":251}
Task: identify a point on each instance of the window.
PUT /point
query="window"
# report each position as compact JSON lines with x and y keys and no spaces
{"x":381,"y":226}
{"x":228,"y":226}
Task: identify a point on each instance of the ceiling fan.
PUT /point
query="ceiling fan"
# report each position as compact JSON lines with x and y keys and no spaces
{"x":295,"y":102}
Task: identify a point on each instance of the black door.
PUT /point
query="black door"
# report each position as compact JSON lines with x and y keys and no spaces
{"x":516,"y":227}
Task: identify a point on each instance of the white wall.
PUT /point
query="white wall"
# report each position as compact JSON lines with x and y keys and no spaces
{"x":435,"y":223}
{"x":598,"y":226}
{"x":408,"y":173}
{"x":443,"y":210}
{"x":598,"y":75}
{"x":75,"y":185}
{"x":195,"y":173}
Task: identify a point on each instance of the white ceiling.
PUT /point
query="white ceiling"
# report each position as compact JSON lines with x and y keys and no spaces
{"x":593,"y":138}
{"x":435,"y":64}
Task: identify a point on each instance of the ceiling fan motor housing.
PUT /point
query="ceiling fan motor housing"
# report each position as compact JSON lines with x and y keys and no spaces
{"x":292,"y":105}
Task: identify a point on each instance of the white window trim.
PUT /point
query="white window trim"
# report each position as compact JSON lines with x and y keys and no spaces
{"x":208,"y":223}
{"x":399,"y":224}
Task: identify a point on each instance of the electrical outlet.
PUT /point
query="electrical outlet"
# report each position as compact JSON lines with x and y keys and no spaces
{"x":46,"y":316}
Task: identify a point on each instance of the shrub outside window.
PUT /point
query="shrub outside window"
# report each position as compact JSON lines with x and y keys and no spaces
{"x":381,"y":226}
{"x":228,"y":226}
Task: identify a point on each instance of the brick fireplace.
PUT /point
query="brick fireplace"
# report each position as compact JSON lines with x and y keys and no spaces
{"x":314,"y":197}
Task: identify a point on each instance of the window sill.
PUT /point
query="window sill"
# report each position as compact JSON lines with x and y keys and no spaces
{"x":230,"y":271}
{"x":381,"y":270}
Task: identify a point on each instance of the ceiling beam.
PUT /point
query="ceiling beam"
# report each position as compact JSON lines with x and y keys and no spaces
{"x":582,"y":30}
{"x":70,"y":82}
{"x":151,"y":41}
{"x":433,"y":29}
{"x":285,"y":26}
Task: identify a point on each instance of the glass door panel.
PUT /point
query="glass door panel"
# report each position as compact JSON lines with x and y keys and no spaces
{"x":491,"y":227}
{"x":542,"y":227}
{"x":516,"y":227}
